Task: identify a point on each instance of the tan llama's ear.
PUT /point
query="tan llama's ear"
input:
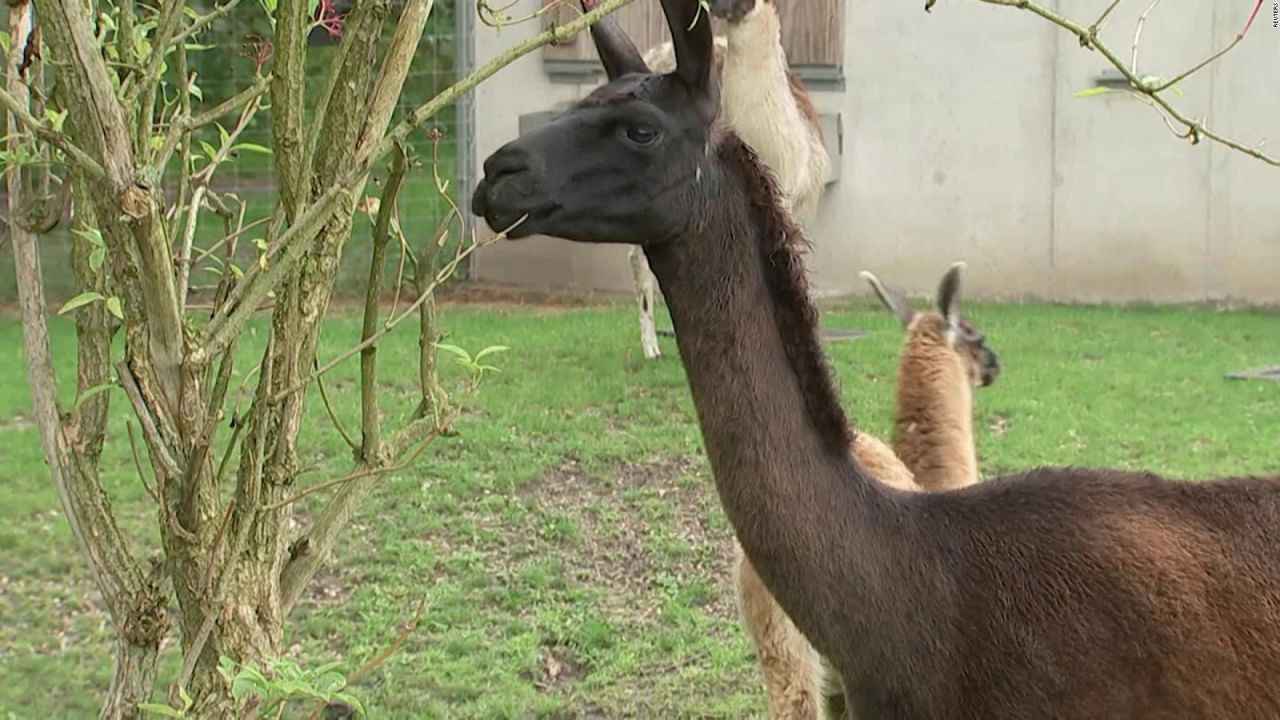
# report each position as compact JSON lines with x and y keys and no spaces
{"x":893,"y":301}
{"x":949,"y":295}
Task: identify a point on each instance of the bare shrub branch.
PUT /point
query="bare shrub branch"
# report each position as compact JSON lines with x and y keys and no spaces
{"x":1192,"y":130}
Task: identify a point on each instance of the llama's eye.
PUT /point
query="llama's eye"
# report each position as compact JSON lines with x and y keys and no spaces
{"x":641,"y":134}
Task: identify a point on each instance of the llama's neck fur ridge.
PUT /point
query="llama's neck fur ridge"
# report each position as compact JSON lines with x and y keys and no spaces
{"x":933,"y":422}
{"x":771,"y":420}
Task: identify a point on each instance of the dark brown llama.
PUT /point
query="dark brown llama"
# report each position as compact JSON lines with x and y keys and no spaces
{"x":1055,"y":593}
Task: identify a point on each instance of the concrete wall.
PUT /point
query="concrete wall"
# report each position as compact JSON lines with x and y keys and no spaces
{"x":962,"y":140}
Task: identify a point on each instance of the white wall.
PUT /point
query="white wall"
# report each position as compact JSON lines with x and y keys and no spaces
{"x":962,"y":140}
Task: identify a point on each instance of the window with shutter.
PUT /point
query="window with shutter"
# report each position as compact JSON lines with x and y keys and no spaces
{"x":812,"y":36}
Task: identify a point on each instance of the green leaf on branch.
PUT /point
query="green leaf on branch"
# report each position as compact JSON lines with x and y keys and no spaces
{"x":251,"y":147}
{"x":91,"y":392}
{"x":93,"y":236}
{"x":114,"y":307}
{"x":80,"y":300}
{"x":56,"y":119}
{"x":492,"y":350}
{"x":472,"y":363}
{"x":1092,"y":92}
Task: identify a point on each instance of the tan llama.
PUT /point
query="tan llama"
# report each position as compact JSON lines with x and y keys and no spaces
{"x":944,"y":358}
{"x":768,"y":107}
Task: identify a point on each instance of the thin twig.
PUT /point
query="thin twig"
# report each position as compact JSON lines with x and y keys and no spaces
{"x":220,"y":155}
{"x":1240,"y":36}
{"x":185,"y":79}
{"x":404,"y":257}
{"x":358,"y":474}
{"x":186,"y":123}
{"x":137,"y":462}
{"x":376,"y":661}
{"x":1097,"y":24}
{"x":370,"y":430}
{"x":217,"y":545}
{"x":203,"y":21}
{"x":184,"y":257}
{"x":237,"y":424}
{"x":170,"y":18}
{"x":1137,"y":33}
{"x":445,"y":272}
{"x":495,"y":18}
{"x":227,"y":238}
{"x":56,"y":139}
{"x":333,"y":416}
{"x":150,"y":432}
{"x":1195,"y":131}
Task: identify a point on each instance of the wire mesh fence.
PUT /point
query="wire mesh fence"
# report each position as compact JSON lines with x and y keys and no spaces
{"x":224,"y":59}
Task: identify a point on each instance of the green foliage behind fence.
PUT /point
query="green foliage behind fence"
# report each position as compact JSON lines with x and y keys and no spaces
{"x":226,"y":67}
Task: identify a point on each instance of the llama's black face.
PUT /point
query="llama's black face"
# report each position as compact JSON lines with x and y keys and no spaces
{"x":616,"y":168}
{"x":621,"y":165}
{"x":962,"y":335}
{"x":735,"y":11}
{"x":984,"y":364}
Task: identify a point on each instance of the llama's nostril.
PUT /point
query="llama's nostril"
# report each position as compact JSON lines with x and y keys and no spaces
{"x":507,"y":161}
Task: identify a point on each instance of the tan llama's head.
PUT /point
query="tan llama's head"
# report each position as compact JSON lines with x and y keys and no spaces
{"x":944,"y":326}
{"x":735,"y":11}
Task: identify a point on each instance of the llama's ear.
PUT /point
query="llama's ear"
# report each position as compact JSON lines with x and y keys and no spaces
{"x":949,"y":294}
{"x":895,"y":302}
{"x":617,"y":53}
{"x":690,"y":25}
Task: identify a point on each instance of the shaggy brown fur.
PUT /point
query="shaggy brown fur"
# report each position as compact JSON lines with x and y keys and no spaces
{"x":1057,"y":593}
{"x":944,"y":359}
{"x":798,"y":681}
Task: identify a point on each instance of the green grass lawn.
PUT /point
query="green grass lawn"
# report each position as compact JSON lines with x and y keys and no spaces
{"x":568,"y":544}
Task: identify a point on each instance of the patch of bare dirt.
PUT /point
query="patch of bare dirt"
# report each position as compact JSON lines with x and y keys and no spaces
{"x":496,"y":297}
{"x":475,"y":293}
{"x":619,"y":552}
{"x":560,"y":668}
{"x":328,"y":588}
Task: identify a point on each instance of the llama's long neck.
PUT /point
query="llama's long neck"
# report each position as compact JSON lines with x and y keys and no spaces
{"x":933,"y":423}
{"x":810,"y":521}
{"x":759,"y":103}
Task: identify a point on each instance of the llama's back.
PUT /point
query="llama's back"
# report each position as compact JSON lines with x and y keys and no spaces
{"x":1089,"y":594}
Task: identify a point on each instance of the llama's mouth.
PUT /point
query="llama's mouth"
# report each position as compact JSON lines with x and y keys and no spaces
{"x":990,"y":370}
{"x":507,"y":204}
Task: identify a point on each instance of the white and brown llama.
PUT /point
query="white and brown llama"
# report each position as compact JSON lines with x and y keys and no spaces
{"x":944,"y":358}
{"x":1066,"y":593}
{"x":770,"y":110}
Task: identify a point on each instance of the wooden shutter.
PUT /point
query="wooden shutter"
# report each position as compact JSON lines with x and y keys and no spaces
{"x":812,"y":31}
